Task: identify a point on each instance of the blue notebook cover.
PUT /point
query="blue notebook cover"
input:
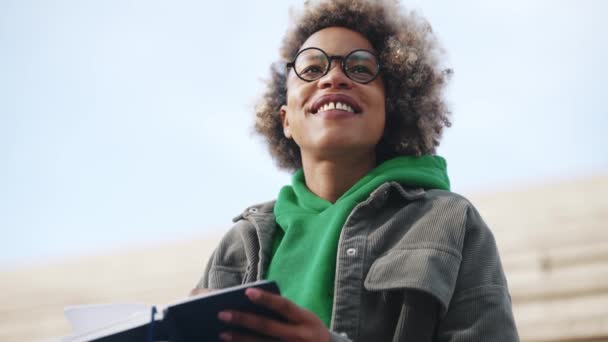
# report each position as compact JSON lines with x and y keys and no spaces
{"x":195,"y":319}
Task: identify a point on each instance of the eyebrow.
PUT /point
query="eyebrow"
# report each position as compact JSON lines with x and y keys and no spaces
{"x":318,"y":57}
{"x":358,"y":57}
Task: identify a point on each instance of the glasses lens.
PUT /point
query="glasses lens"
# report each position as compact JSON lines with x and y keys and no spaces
{"x":311,"y":64}
{"x":361,"y":66}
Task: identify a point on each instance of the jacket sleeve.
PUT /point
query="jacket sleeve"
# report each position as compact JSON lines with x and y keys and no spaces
{"x":480,"y":309}
{"x":230,"y":260}
{"x":335,"y":337}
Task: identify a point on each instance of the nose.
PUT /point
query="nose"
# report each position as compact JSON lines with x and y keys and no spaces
{"x":335,"y":78}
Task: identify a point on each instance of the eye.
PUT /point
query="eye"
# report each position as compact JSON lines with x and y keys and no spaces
{"x":312,"y":70}
{"x":311,"y":64}
{"x":361,"y":65}
{"x":360,"y":69}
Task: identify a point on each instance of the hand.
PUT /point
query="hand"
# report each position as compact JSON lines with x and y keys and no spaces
{"x":199,"y":290}
{"x":302,"y":325}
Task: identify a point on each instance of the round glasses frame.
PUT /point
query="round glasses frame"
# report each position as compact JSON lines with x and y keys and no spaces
{"x":342,"y":59}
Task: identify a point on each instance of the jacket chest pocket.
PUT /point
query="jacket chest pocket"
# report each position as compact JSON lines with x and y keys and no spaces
{"x":431,"y":270}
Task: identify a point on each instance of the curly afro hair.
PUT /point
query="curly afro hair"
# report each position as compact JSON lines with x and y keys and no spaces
{"x":409,"y":57}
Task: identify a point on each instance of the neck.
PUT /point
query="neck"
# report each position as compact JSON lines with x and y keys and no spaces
{"x":330,"y":179}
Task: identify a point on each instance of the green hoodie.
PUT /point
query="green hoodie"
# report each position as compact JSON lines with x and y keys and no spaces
{"x":305,"y":248}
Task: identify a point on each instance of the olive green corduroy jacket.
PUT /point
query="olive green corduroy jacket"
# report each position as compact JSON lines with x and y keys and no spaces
{"x":412,"y":265}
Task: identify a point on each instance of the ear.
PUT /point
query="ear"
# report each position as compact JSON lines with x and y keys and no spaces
{"x":285,"y":122}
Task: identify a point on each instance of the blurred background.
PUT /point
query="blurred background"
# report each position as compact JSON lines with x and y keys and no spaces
{"x":126,"y":147}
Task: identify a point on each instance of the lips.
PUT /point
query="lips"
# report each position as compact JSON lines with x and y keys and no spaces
{"x":335,"y":102}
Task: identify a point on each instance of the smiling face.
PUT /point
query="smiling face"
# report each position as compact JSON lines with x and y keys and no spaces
{"x":334,"y":114}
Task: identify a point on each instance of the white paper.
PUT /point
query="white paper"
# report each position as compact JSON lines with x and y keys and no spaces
{"x":85,"y":318}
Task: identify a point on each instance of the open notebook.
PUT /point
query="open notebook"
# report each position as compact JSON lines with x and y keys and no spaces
{"x":190,"y":319}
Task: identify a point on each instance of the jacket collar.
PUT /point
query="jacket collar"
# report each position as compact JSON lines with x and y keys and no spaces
{"x":262,"y":210}
{"x":261,"y":216}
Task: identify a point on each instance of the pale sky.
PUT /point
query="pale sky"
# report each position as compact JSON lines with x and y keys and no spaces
{"x":128,"y":122}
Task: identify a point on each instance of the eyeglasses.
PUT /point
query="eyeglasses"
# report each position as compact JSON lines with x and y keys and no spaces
{"x":312,"y":63}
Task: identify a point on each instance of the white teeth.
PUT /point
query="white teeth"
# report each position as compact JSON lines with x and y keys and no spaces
{"x":337,"y":105}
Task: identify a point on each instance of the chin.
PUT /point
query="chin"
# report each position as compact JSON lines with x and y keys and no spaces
{"x":342,"y":146}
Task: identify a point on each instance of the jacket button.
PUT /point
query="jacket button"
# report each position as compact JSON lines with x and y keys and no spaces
{"x":351,"y":252}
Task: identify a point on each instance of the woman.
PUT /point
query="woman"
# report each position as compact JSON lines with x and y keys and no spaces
{"x":368,"y":242}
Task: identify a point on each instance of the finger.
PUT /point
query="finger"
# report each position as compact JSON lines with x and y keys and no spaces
{"x":258,"y":324}
{"x":277,"y":303}
{"x":237,"y":337}
{"x":199,"y":290}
